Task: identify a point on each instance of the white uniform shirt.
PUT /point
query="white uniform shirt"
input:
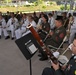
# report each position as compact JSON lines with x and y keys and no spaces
{"x":33,"y":23}
{"x":15,"y":23}
{"x":74,"y":24}
{"x":26,"y":23}
{"x":51,"y":21}
{"x":3,"y":23}
{"x":40,"y":21}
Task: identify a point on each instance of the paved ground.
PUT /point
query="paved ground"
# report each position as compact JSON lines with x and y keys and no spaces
{"x":12,"y":61}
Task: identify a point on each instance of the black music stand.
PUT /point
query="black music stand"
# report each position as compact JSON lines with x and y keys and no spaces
{"x":28,"y":46}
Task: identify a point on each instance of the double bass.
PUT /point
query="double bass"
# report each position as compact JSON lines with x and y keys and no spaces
{"x":45,"y":49}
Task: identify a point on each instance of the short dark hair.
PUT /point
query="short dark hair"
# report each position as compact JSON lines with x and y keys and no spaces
{"x":46,"y":17}
{"x":31,"y":17}
{"x":50,"y":14}
{"x":12,"y":13}
{"x":25,"y":14}
{"x":59,"y":18}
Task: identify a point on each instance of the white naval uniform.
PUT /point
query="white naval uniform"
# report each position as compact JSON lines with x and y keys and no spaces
{"x":3,"y":27}
{"x":72,"y":31}
{"x":40,"y":21}
{"x":51,"y":21}
{"x":12,"y":26}
{"x":22,"y":29}
{"x":33,"y":23}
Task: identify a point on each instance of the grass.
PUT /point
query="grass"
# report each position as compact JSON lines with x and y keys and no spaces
{"x":30,"y":8}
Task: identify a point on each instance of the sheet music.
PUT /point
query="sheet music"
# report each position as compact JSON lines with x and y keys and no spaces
{"x":32,"y":48}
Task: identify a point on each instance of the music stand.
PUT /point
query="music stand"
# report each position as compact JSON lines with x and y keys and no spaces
{"x":28,"y":46}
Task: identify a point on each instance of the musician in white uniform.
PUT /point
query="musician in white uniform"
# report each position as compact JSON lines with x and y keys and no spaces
{"x":51,"y":21}
{"x":12,"y":23}
{"x":33,"y":23}
{"x":22,"y":29}
{"x":72,"y":30}
{"x":40,"y":21}
{"x":3,"y":27}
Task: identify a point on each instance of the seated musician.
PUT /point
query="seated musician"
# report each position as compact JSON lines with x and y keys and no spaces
{"x":44,"y":28}
{"x":69,"y":69}
{"x":56,"y":37}
{"x":22,"y":29}
{"x":65,"y":19}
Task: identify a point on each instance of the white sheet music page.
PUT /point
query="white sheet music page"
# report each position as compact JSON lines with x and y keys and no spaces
{"x":32,"y":48}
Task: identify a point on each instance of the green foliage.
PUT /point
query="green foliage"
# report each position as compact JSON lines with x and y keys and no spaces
{"x":26,"y":5}
{"x":12,"y":6}
{"x":62,"y":7}
{"x":51,"y":3}
{"x":68,"y":7}
{"x":7,"y":1}
{"x":7,"y":6}
{"x":40,"y":1}
{"x":36,"y":3}
{"x":43,"y":7}
{"x":0,"y":6}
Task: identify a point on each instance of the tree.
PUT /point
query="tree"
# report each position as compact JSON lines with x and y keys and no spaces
{"x":6,"y":1}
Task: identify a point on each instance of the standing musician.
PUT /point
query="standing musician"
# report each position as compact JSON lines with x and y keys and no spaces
{"x":71,"y":20}
{"x":73,"y":29}
{"x":69,"y":69}
{"x":45,"y":27}
{"x":40,"y":21}
{"x":65,"y":19}
{"x":56,"y":37}
{"x":51,"y":21}
{"x":35,"y":17}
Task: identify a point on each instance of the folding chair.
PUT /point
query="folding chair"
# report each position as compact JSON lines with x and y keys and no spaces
{"x":62,"y":58}
{"x":55,"y":49}
{"x":69,"y":47}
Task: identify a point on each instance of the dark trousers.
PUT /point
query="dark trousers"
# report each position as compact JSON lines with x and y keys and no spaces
{"x":48,"y":71}
{"x":51,"y":71}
